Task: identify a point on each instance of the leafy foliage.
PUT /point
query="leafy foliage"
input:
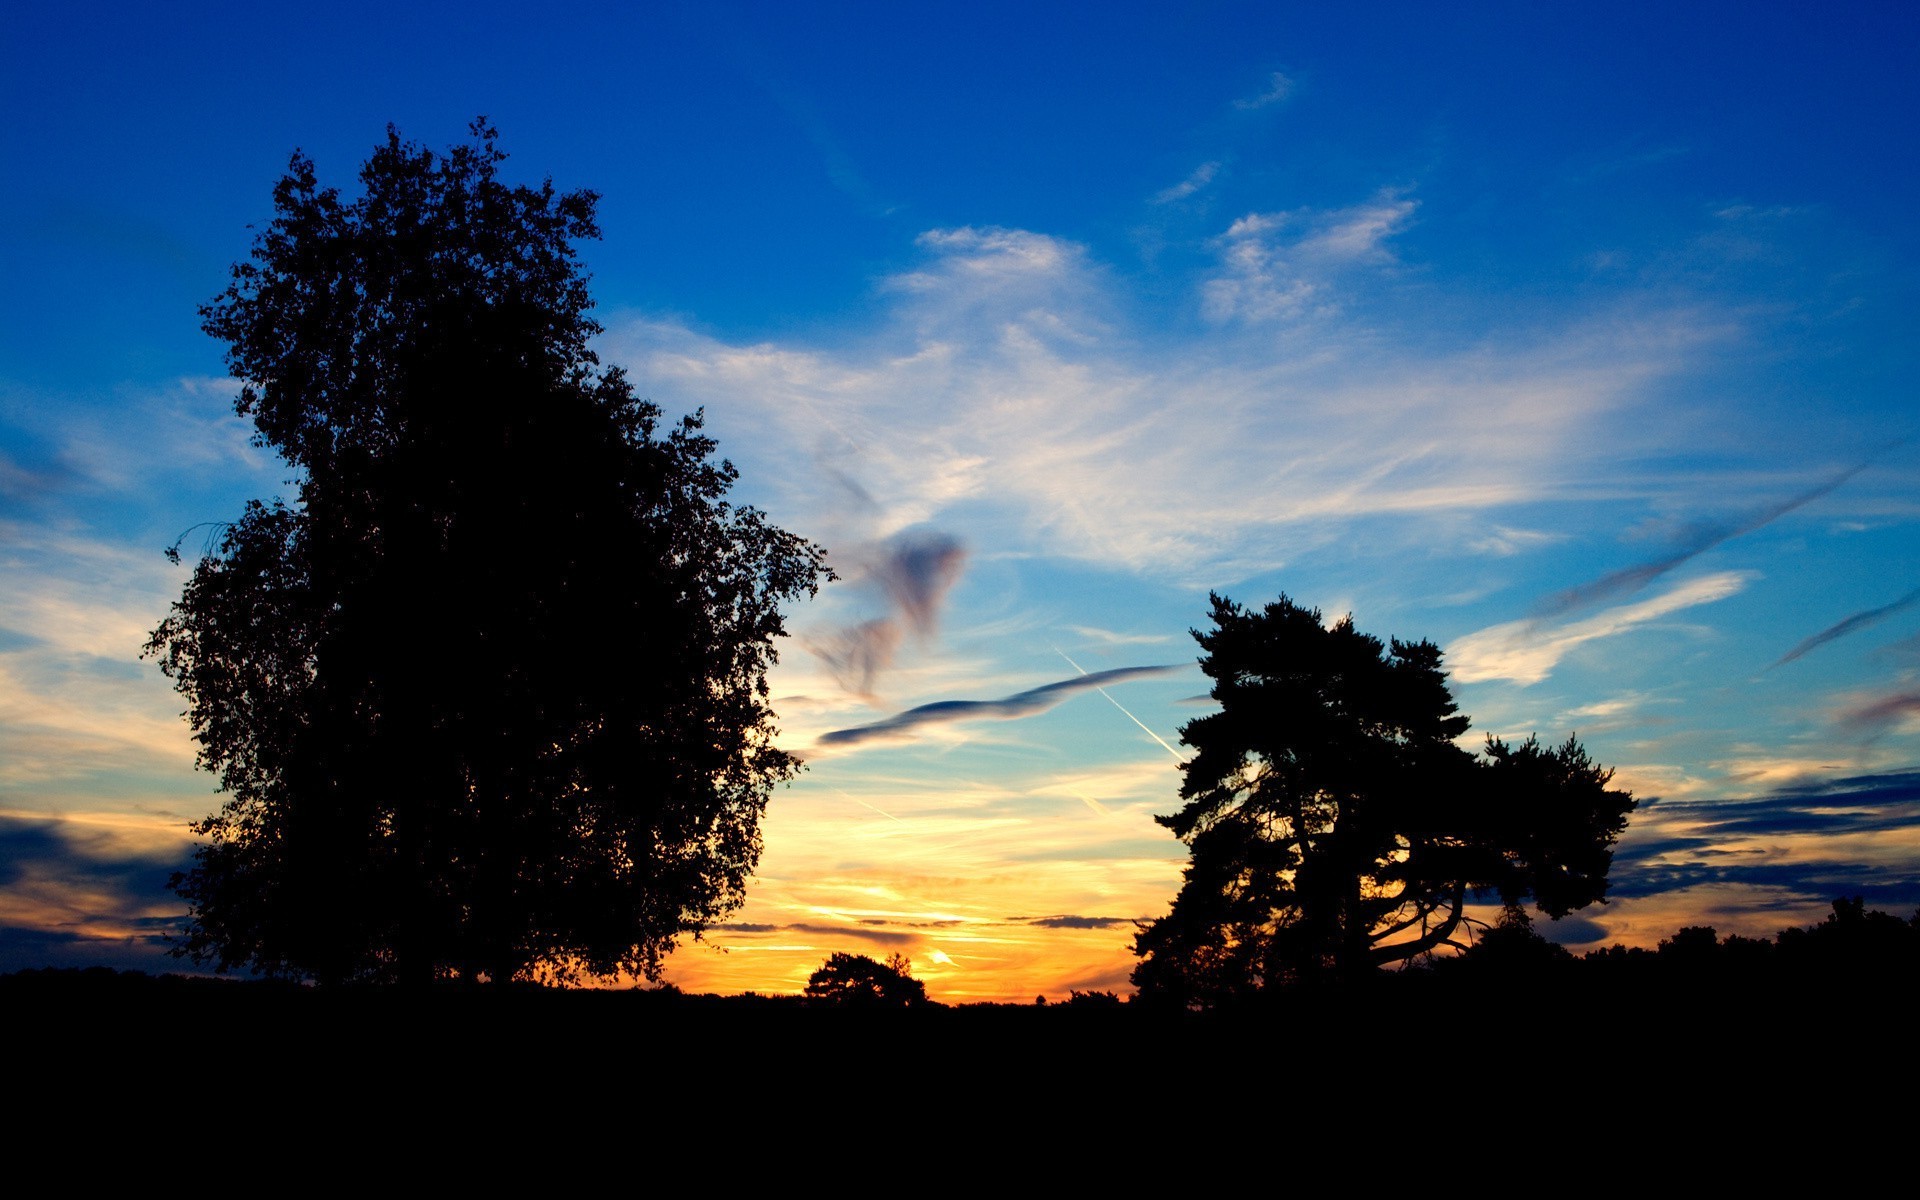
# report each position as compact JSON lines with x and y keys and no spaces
{"x":856,"y":981}
{"x":490,"y":694}
{"x":1335,"y":825}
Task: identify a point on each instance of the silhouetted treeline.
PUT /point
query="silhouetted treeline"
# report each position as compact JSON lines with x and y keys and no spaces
{"x":1853,"y":948}
{"x":1731,"y":1020}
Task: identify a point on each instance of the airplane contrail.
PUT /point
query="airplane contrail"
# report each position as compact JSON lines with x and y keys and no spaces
{"x":883,"y":812}
{"x":1631,"y":579}
{"x":1007,"y":708}
{"x":1091,"y":803}
{"x":1123,"y":708}
{"x":1854,"y":623}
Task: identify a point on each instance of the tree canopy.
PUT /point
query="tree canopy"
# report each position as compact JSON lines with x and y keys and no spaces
{"x":856,"y":981}
{"x":1336,"y":826}
{"x":490,"y":693}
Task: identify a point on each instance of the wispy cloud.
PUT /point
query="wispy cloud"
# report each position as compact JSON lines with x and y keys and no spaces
{"x":884,"y":937}
{"x":1256,"y":281}
{"x":188,"y":433}
{"x":1278,"y":88}
{"x":765,"y":67}
{"x":1110,"y":638}
{"x":1526,"y":653}
{"x":909,"y":575}
{"x":1004,"y":380}
{"x":1852,"y":624}
{"x":1628,"y":580}
{"x":84,"y":891}
{"x":1021,"y":704}
{"x":1503,"y":541}
{"x":1819,"y":837}
{"x":991,"y":257}
{"x":1875,"y":717}
{"x":1201,"y":177}
{"x":1070,"y":921}
{"x":1277,"y":266}
{"x":1359,"y":234}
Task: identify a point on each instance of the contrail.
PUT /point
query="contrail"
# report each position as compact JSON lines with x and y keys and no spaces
{"x":1092,"y":803}
{"x":1007,"y":708}
{"x":1123,"y":708}
{"x":862,"y":803}
{"x":1632,"y":579}
{"x":1857,"y":621}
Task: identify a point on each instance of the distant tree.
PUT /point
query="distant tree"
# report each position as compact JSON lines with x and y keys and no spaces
{"x":1691,"y":945}
{"x":856,"y":981}
{"x":1511,"y":948}
{"x":1335,"y":826}
{"x":490,"y":693}
{"x":1854,"y":937}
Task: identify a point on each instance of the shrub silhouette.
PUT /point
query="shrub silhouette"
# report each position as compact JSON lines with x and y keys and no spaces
{"x":856,"y":981}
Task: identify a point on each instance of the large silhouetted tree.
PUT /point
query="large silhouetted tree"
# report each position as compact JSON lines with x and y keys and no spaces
{"x":490,"y":693}
{"x":1335,"y":825}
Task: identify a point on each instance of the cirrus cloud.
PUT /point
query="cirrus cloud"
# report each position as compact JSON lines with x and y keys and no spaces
{"x":1525,"y":652}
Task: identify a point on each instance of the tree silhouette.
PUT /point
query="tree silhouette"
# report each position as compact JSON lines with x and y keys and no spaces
{"x":856,"y":981}
{"x":490,"y":694}
{"x":1336,"y":827}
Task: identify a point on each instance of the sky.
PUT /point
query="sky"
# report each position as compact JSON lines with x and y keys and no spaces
{"x":1577,"y":340}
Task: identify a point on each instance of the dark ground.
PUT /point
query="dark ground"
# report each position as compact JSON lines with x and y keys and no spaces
{"x":1524,"y":1083}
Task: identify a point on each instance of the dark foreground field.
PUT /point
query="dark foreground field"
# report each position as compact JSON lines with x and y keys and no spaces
{"x":1511,"y":1080}
{"x":1561,"y":1033}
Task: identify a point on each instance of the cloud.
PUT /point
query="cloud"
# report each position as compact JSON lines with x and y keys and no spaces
{"x":1111,"y":638}
{"x":1201,"y":177}
{"x":857,"y":654}
{"x":88,"y":854}
{"x":1526,"y":653}
{"x":188,"y":438}
{"x":990,"y":256}
{"x":1074,"y":922}
{"x":1572,"y":931}
{"x":1859,"y":803}
{"x":1631,"y":579}
{"x":24,"y":485}
{"x":1256,"y":281}
{"x":1278,"y":88}
{"x":76,"y":892}
{"x":1007,"y":391}
{"x":1817,"y":839}
{"x":1360,"y":233}
{"x":1503,"y":541}
{"x":1852,"y":624}
{"x":910,"y":575}
{"x":1822,"y":880}
{"x":83,"y":582}
{"x":916,"y":571}
{"x":74,"y":699}
{"x":1021,"y":704}
{"x":1281,"y":266}
{"x":1875,"y":717}
{"x":838,"y":165}
{"x":884,"y":937}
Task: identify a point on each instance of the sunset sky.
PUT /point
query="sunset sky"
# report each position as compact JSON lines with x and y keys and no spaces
{"x":1578,"y":340}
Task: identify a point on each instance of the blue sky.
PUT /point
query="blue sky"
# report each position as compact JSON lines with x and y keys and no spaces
{"x":1580,"y":342}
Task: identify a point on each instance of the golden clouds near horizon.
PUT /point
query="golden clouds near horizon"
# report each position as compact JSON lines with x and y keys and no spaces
{"x":995,"y":894}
